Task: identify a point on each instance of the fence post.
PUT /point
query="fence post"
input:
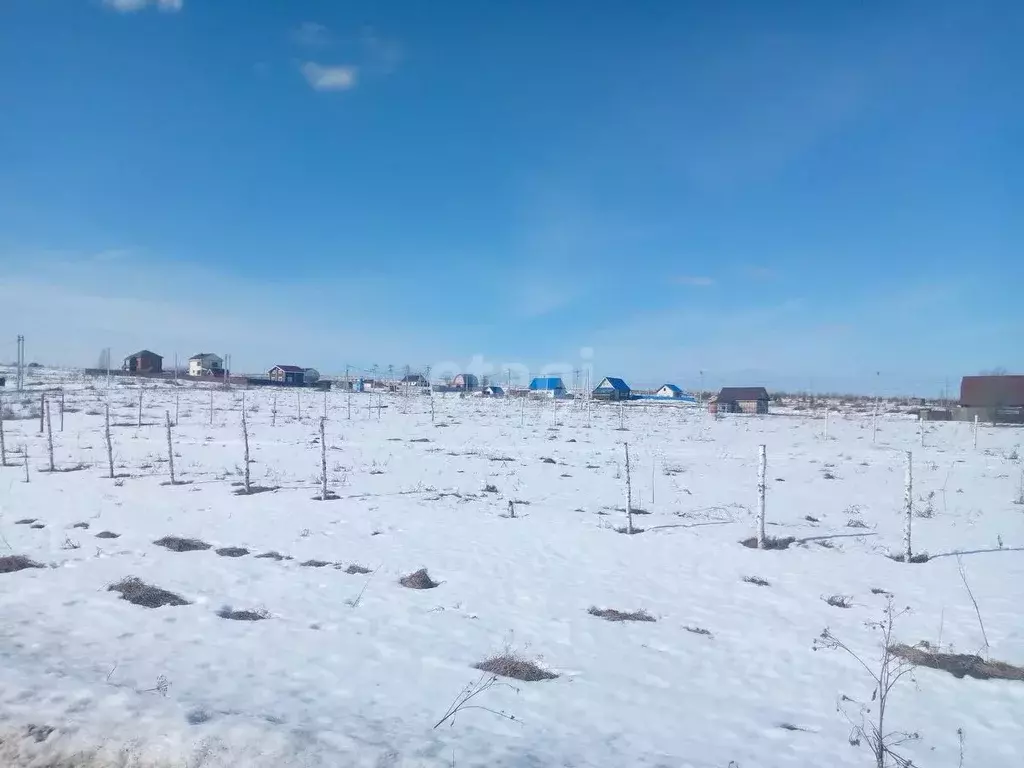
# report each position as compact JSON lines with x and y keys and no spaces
{"x":170,"y":447}
{"x":49,"y":436}
{"x":110,"y":444}
{"x":62,"y":409}
{"x":908,"y":506}
{"x":245,"y":441}
{"x":323,"y":459}
{"x":975,"y":431}
{"x":629,"y":496}
{"x":3,"y":444}
{"x":140,"y":404}
{"x":762,"y":468}
{"x":42,"y":412}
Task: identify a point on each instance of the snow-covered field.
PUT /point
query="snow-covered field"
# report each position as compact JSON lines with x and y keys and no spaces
{"x":356,"y":670}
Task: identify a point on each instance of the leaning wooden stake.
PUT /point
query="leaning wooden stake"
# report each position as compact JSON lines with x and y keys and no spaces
{"x":762,"y":467}
{"x":170,"y":447}
{"x":323,"y":460}
{"x":908,"y":507}
{"x":245,"y":441}
{"x":110,"y":443}
{"x":629,"y":496}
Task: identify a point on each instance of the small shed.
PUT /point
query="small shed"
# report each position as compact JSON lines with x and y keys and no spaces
{"x":465,"y":381}
{"x":547,"y":386}
{"x":740,"y":400}
{"x":611,"y":388}
{"x":493,"y":391}
{"x":414,"y":380}
{"x":288,"y":374}
{"x":669,"y":390}
{"x":144,"y":361}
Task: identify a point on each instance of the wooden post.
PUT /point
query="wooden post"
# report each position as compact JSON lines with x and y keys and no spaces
{"x":3,"y":444}
{"x":170,"y":447}
{"x":177,"y":398}
{"x":622,"y":416}
{"x":211,"y":406}
{"x":42,"y":412}
{"x":49,"y":436}
{"x":273,"y":412}
{"x":762,"y":468}
{"x":323,"y":459}
{"x":975,"y":431}
{"x":245,"y":440}
{"x":874,"y":423}
{"x":24,"y":460}
{"x":110,"y":443}
{"x":908,"y":504}
{"x":62,"y":409}
{"x":349,"y":400}
{"x":298,"y":404}
{"x":826,"y":425}
{"x":629,"y":496}
{"x":325,"y":403}
{"x":140,"y":404}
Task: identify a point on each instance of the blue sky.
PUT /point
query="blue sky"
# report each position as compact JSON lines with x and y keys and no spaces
{"x":806,"y":195}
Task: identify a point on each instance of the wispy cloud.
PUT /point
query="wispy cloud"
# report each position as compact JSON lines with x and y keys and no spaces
{"x":322,"y":77}
{"x":696,"y":281}
{"x":310,"y":34}
{"x":131,"y":6}
{"x":757,"y":273}
{"x":382,"y":54}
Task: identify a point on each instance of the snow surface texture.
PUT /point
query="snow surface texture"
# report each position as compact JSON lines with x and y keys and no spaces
{"x":274,"y":661}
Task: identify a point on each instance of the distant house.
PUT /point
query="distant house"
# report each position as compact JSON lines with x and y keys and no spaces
{"x":465,"y":381}
{"x":143,"y":362}
{"x":414,"y":380}
{"x":547,"y":386}
{"x":288,"y":374}
{"x":611,"y":388}
{"x":669,"y":390}
{"x":740,"y":400}
{"x":992,"y":398}
{"x":205,"y":364}
{"x":493,"y":391}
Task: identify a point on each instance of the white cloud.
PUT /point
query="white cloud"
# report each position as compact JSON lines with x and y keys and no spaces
{"x":131,"y":6}
{"x":696,"y":281}
{"x":329,"y":78}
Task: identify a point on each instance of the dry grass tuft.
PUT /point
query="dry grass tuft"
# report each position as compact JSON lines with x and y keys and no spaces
{"x":108,"y":535}
{"x":610,"y":614}
{"x":959,"y":665}
{"x":227,"y":613}
{"x":356,"y":569}
{"x":838,"y":601}
{"x":14,"y":563}
{"x":770,"y":542}
{"x":418,"y":580}
{"x":508,"y":664}
{"x":232,"y":551}
{"x":178,"y":544}
{"x":756,"y":580}
{"x":138,"y":592}
{"x":920,"y":557}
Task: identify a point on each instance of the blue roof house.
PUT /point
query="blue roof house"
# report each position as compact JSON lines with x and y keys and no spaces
{"x":547,"y":386}
{"x":612,"y":388}
{"x":672,"y":392}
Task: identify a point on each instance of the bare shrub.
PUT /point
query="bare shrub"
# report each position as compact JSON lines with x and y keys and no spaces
{"x":856,"y":522}
{"x":698,"y":631}
{"x":871,"y":725}
{"x":271,"y":556}
{"x":108,"y":535}
{"x":314,"y":563}
{"x":419,"y":580}
{"x":70,"y":543}
{"x":138,"y":592}
{"x":354,"y":570}
{"x":178,"y":544}
{"x":920,"y":557}
{"x":757,"y":580}
{"x":610,"y":614}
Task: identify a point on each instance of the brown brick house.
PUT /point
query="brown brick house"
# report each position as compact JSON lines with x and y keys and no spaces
{"x":740,"y":400}
{"x":143,"y":362}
